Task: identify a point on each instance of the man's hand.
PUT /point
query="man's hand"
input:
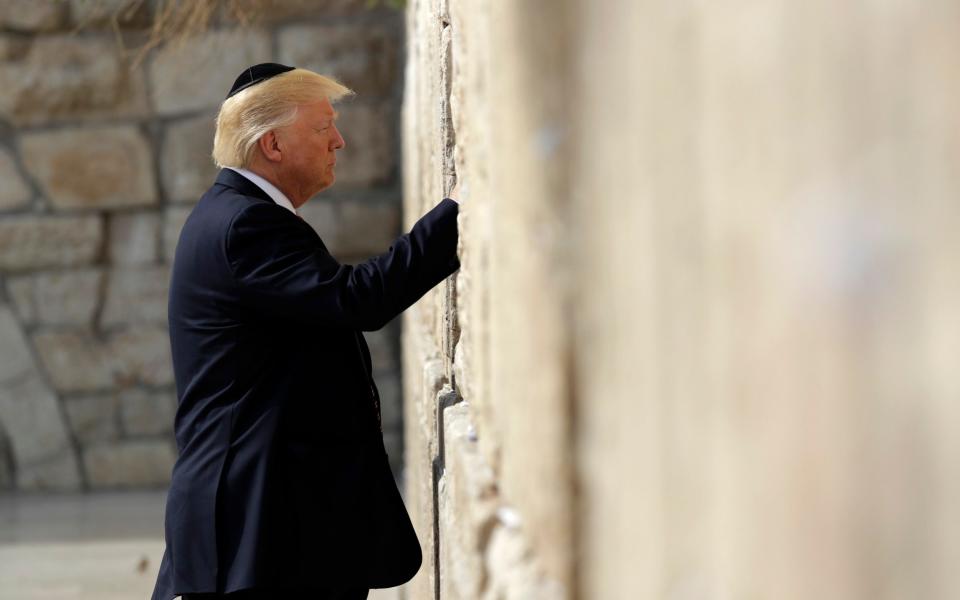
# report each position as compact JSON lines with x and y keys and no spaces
{"x":456,"y":194}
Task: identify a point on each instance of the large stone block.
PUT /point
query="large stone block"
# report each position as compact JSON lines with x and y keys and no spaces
{"x":64,"y":298}
{"x":93,"y":419}
{"x":197,"y":73}
{"x":32,"y":242}
{"x":134,"y":238}
{"x":361,"y":56}
{"x":468,"y":504}
{"x":136,"y":295}
{"x":14,"y":191}
{"x":186,"y":166}
{"x":16,"y":361}
{"x":92,"y":168}
{"x":76,"y":361}
{"x":131,"y":463}
{"x":370,"y":155}
{"x":32,"y":16}
{"x":57,"y":474}
{"x":66,"y":77}
{"x":147,"y":413}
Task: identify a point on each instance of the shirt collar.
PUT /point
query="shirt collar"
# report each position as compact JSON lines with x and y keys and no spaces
{"x":275,"y":194}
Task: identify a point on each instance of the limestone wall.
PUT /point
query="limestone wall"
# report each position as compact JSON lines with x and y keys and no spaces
{"x":704,"y":340}
{"x":100,"y":163}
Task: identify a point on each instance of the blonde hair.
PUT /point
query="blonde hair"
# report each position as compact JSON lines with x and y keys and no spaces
{"x":246,"y":116}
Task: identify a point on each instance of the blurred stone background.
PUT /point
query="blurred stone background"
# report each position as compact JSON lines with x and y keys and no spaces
{"x":101,"y":159}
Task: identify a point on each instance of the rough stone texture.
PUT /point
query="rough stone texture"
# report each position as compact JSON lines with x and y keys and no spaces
{"x":89,"y":14}
{"x":65,"y":77}
{"x":369,"y":156}
{"x":286,"y":10}
{"x":92,"y":168}
{"x":30,"y":16}
{"x":79,"y":362}
{"x":197,"y":73}
{"x":31,"y":416}
{"x":133,"y":463}
{"x":33,"y":242}
{"x":14,"y":191}
{"x":136,"y":295}
{"x":134,"y":238}
{"x":147,"y":413}
{"x":62,"y":298}
{"x":93,"y":419}
{"x":187,"y":167}
{"x":173,"y":219}
{"x":361,"y":56}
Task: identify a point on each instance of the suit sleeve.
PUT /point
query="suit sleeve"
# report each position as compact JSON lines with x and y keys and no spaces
{"x":282,"y":269}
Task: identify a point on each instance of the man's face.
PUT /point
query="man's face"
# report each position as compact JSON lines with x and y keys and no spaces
{"x":312,"y":142}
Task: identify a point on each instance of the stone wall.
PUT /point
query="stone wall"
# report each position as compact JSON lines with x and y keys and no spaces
{"x":100,"y":162}
{"x":703,"y":343}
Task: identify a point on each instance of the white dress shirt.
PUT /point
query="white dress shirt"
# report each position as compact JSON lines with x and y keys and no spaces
{"x":275,"y":194}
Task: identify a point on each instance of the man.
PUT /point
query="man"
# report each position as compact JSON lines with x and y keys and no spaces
{"x":282,"y":487}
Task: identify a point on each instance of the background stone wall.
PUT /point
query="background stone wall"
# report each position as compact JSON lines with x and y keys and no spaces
{"x":100,"y":163}
{"x":704,"y":340}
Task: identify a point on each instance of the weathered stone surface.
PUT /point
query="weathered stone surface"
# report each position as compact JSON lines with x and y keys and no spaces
{"x":270,"y":11}
{"x":64,"y":298}
{"x":92,"y":168}
{"x":147,"y":413}
{"x":187,"y":167}
{"x":361,"y":56}
{"x":173,"y":219}
{"x":32,"y":16}
{"x":93,"y":419}
{"x":31,"y":242}
{"x":468,"y":503}
{"x":134,"y":238}
{"x":198,"y":73}
{"x":67,"y":77}
{"x":136,"y":295}
{"x":512,"y":570}
{"x":129,"y":463}
{"x":6,"y":462}
{"x":366,"y":229}
{"x":89,"y":14}
{"x":58,"y":474}
{"x":15,"y":359}
{"x":383,"y":348}
{"x":38,"y":433}
{"x":370,"y":154}
{"x":391,"y":403}
{"x":14,"y":191}
{"x":79,"y":362}
{"x":74,"y":361}
{"x":13,"y":47}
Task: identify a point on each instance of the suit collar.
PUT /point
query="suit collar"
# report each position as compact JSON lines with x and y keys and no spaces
{"x":231,"y":179}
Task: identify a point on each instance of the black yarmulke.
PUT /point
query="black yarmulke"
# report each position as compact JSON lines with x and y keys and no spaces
{"x":257,"y":73}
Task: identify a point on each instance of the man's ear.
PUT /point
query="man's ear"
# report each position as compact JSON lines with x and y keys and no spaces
{"x":270,"y":146}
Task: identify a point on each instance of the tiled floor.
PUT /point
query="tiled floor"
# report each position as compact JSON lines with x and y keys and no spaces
{"x":85,"y":547}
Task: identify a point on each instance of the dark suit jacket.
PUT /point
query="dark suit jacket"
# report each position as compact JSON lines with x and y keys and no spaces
{"x":282,"y":479}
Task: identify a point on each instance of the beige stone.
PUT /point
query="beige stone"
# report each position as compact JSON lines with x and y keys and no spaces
{"x":14,"y":191}
{"x":93,"y":419}
{"x":106,"y":14}
{"x":133,"y":463}
{"x":92,"y":168}
{"x":67,"y":77}
{"x":361,"y":56}
{"x":134,"y":238}
{"x":136,"y":295}
{"x":31,"y":16}
{"x":197,"y":73}
{"x":57,"y":474}
{"x":270,"y":11}
{"x":369,"y":157}
{"x":187,"y":168}
{"x":147,"y":413}
{"x":31,"y":242}
{"x":57,"y":298}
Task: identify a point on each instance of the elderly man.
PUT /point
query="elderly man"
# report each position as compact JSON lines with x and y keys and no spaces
{"x":282,"y":487}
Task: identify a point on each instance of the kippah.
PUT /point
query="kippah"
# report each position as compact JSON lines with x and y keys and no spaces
{"x":257,"y":73}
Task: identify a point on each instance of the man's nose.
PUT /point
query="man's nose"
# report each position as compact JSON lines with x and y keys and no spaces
{"x":338,"y":141}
